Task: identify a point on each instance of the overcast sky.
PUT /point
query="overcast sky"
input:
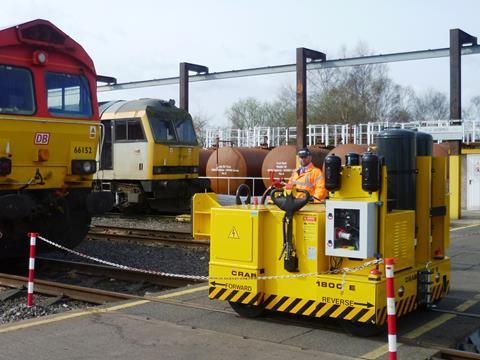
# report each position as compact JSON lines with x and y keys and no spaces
{"x":140,"y":40}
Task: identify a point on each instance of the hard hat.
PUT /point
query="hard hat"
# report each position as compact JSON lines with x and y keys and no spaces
{"x":303,"y":153}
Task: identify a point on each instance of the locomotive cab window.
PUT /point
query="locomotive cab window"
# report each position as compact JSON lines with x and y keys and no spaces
{"x":185,"y":130}
{"x":129,"y":130}
{"x":16,"y":91}
{"x":172,"y":126}
{"x":162,"y":127}
{"x":68,"y":95}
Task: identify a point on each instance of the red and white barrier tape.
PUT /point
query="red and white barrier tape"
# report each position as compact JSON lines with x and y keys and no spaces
{"x":211,"y":278}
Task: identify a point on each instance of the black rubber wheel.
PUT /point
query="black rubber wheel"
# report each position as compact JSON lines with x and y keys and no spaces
{"x":248,"y":311}
{"x":362,"y":329}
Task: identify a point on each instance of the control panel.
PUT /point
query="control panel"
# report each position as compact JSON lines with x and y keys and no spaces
{"x":351,"y":228}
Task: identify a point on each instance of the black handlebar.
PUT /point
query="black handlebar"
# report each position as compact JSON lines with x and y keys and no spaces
{"x":289,"y":203}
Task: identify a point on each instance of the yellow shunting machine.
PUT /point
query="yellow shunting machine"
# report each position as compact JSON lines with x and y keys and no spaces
{"x":330,"y":265}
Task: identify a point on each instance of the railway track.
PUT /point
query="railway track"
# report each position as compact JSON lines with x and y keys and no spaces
{"x":94,"y":296}
{"x":111,"y":272}
{"x":88,"y":294}
{"x":117,"y":233}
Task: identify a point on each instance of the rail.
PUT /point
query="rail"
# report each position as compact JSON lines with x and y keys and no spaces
{"x":117,"y":233}
{"x":113,"y":272}
{"x":94,"y":296}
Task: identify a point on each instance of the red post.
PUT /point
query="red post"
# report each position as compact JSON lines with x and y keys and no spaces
{"x":391,"y":314}
{"x":31,"y":268}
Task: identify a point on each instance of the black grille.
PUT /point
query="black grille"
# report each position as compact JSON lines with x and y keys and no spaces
{"x":175,"y":170}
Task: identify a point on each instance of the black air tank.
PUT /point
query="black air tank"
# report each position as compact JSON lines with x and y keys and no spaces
{"x":333,"y":167}
{"x":370,"y":172}
{"x":424,"y":144}
{"x":398,"y":148}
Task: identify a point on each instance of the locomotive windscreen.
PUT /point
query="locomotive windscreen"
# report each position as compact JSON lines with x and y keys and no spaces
{"x":68,"y":95}
{"x":172,"y":127}
{"x":16,"y":88}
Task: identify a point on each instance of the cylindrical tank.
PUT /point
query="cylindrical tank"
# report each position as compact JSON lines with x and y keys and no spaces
{"x":352,"y":159}
{"x":235,"y":162}
{"x":282,"y":161}
{"x":370,"y":172}
{"x":333,"y":166}
{"x":398,"y":147}
{"x":204,"y":154}
{"x":424,"y":144}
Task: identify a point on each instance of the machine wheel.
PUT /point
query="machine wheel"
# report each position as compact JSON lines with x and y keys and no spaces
{"x":362,"y":329}
{"x":248,"y":311}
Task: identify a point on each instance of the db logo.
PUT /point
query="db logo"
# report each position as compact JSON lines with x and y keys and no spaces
{"x":42,"y":138}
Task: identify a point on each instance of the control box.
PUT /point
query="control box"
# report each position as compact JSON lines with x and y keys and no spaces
{"x":351,"y":228}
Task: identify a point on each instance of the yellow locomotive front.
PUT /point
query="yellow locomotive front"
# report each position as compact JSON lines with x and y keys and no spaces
{"x":49,"y":134}
{"x":150,"y":155}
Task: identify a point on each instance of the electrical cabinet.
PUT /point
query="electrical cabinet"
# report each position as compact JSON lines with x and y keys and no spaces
{"x":351,"y":229}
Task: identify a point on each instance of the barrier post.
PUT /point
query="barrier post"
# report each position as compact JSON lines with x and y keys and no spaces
{"x":31,"y":268}
{"x":391,"y":314}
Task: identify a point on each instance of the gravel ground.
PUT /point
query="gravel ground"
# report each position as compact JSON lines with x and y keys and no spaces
{"x":167,"y":223}
{"x":177,"y":260}
{"x":15,"y":308}
{"x":171,"y":259}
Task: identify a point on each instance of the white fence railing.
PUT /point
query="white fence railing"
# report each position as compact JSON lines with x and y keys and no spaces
{"x":468,"y":131}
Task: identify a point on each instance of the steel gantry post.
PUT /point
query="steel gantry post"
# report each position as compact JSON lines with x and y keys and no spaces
{"x":302,"y":55}
{"x":458,"y":38}
{"x":184,"y":69}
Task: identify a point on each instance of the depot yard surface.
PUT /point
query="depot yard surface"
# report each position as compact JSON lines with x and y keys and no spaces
{"x":186,"y":324}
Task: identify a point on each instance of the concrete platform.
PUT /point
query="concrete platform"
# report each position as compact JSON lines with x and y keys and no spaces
{"x":185,"y":324}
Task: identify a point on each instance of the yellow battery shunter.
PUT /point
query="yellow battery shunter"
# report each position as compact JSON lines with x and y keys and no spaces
{"x":325,"y":260}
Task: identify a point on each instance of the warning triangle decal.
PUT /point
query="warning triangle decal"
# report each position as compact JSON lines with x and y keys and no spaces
{"x":233,"y":234}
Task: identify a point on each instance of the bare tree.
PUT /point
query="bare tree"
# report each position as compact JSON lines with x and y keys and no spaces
{"x":200,"y":123}
{"x":430,"y":105}
{"x":473,"y":109}
{"x":356,"y":94}
{"x":247,"y":113}
{"x":251,"y":112}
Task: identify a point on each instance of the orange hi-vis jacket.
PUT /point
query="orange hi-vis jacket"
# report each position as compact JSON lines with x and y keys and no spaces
{"x":311,"y":180}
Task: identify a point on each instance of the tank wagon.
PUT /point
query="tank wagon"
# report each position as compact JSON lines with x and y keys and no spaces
{"x":150,"y":155}
{"x":49,"y":134}
{"x":236,"y":164}
{"x":291,"y":256}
